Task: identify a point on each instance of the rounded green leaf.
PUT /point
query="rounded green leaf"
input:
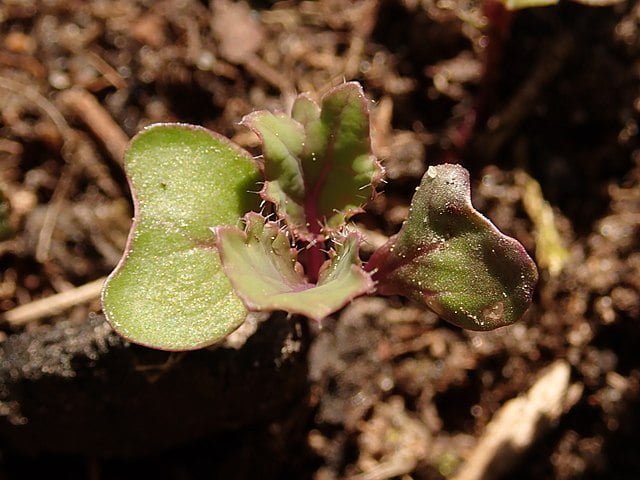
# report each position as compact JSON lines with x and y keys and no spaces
{"x":169,"y":290}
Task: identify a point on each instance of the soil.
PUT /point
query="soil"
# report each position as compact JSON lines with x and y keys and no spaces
{"x":551,"y":94}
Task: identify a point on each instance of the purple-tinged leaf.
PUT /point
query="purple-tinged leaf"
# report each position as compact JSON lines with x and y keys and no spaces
{"x":453,"y":259}
{"x":263,"y":269}
{"x":318,"y":165}
{"x":283,"y":141}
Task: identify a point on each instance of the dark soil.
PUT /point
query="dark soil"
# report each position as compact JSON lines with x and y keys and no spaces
{"x":553,"y":92}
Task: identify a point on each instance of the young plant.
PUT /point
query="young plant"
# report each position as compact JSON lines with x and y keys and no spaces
{"x":200,"y":256}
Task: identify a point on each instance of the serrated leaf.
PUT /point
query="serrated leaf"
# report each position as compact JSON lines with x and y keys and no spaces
{"x":264,"y":271}
{"x":452,"y":258}
{"x":169,"y":290}
{"x":282,"y":143}
{"x":318,"y":165}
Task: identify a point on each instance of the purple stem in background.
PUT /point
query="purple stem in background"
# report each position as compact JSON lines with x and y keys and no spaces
{"x":499,"y":27}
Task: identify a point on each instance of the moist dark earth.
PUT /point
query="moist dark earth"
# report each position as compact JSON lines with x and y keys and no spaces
{"x":544,"y":97}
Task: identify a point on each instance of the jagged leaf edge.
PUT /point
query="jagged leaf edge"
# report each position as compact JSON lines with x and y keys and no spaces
{"x":352,"y":239}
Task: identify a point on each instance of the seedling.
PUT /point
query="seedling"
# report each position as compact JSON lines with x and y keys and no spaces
{"x":202,"y":251}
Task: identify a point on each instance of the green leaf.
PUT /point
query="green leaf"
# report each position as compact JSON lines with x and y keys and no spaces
{"x":453,"y":259}
{"x":169,"y":290}
{"x":282,"y":144}
{"x":520,"y":4}
{"x":264,"y":271}
{"x":318,"y":165}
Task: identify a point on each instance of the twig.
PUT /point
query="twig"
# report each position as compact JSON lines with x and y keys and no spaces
{"x":396,"y":467}
{"x":257,"y":66}
{"x":52,"y":213}
{"x":86,"y":107}
{"x":368,"y":14}
{"x":42,"y":103}
{"x":54,"y":304}
{"x":64,"y":184}
{"x":107,"y":71}
{"x":85,"y":153}
{"x":23,"y":62}
{"x":10,"y":147}
{"x":519,"y":423}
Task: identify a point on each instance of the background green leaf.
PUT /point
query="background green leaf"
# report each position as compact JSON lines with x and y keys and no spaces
{"x":169,"y":290}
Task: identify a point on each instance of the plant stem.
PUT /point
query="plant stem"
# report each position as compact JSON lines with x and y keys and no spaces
{"x":315,"y":257}
{"x":314,"y":254}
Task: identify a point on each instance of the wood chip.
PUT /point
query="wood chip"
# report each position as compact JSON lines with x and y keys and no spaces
{"x":519,"y":423}
{"x":102,"y":125}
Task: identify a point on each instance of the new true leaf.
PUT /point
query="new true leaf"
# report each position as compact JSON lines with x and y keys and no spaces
{"x":318,"y":165}
{"x":264,"y":271}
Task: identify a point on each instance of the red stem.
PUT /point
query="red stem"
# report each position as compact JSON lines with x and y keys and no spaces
{"x":314,"y":254}
{"x":315,"y":257}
